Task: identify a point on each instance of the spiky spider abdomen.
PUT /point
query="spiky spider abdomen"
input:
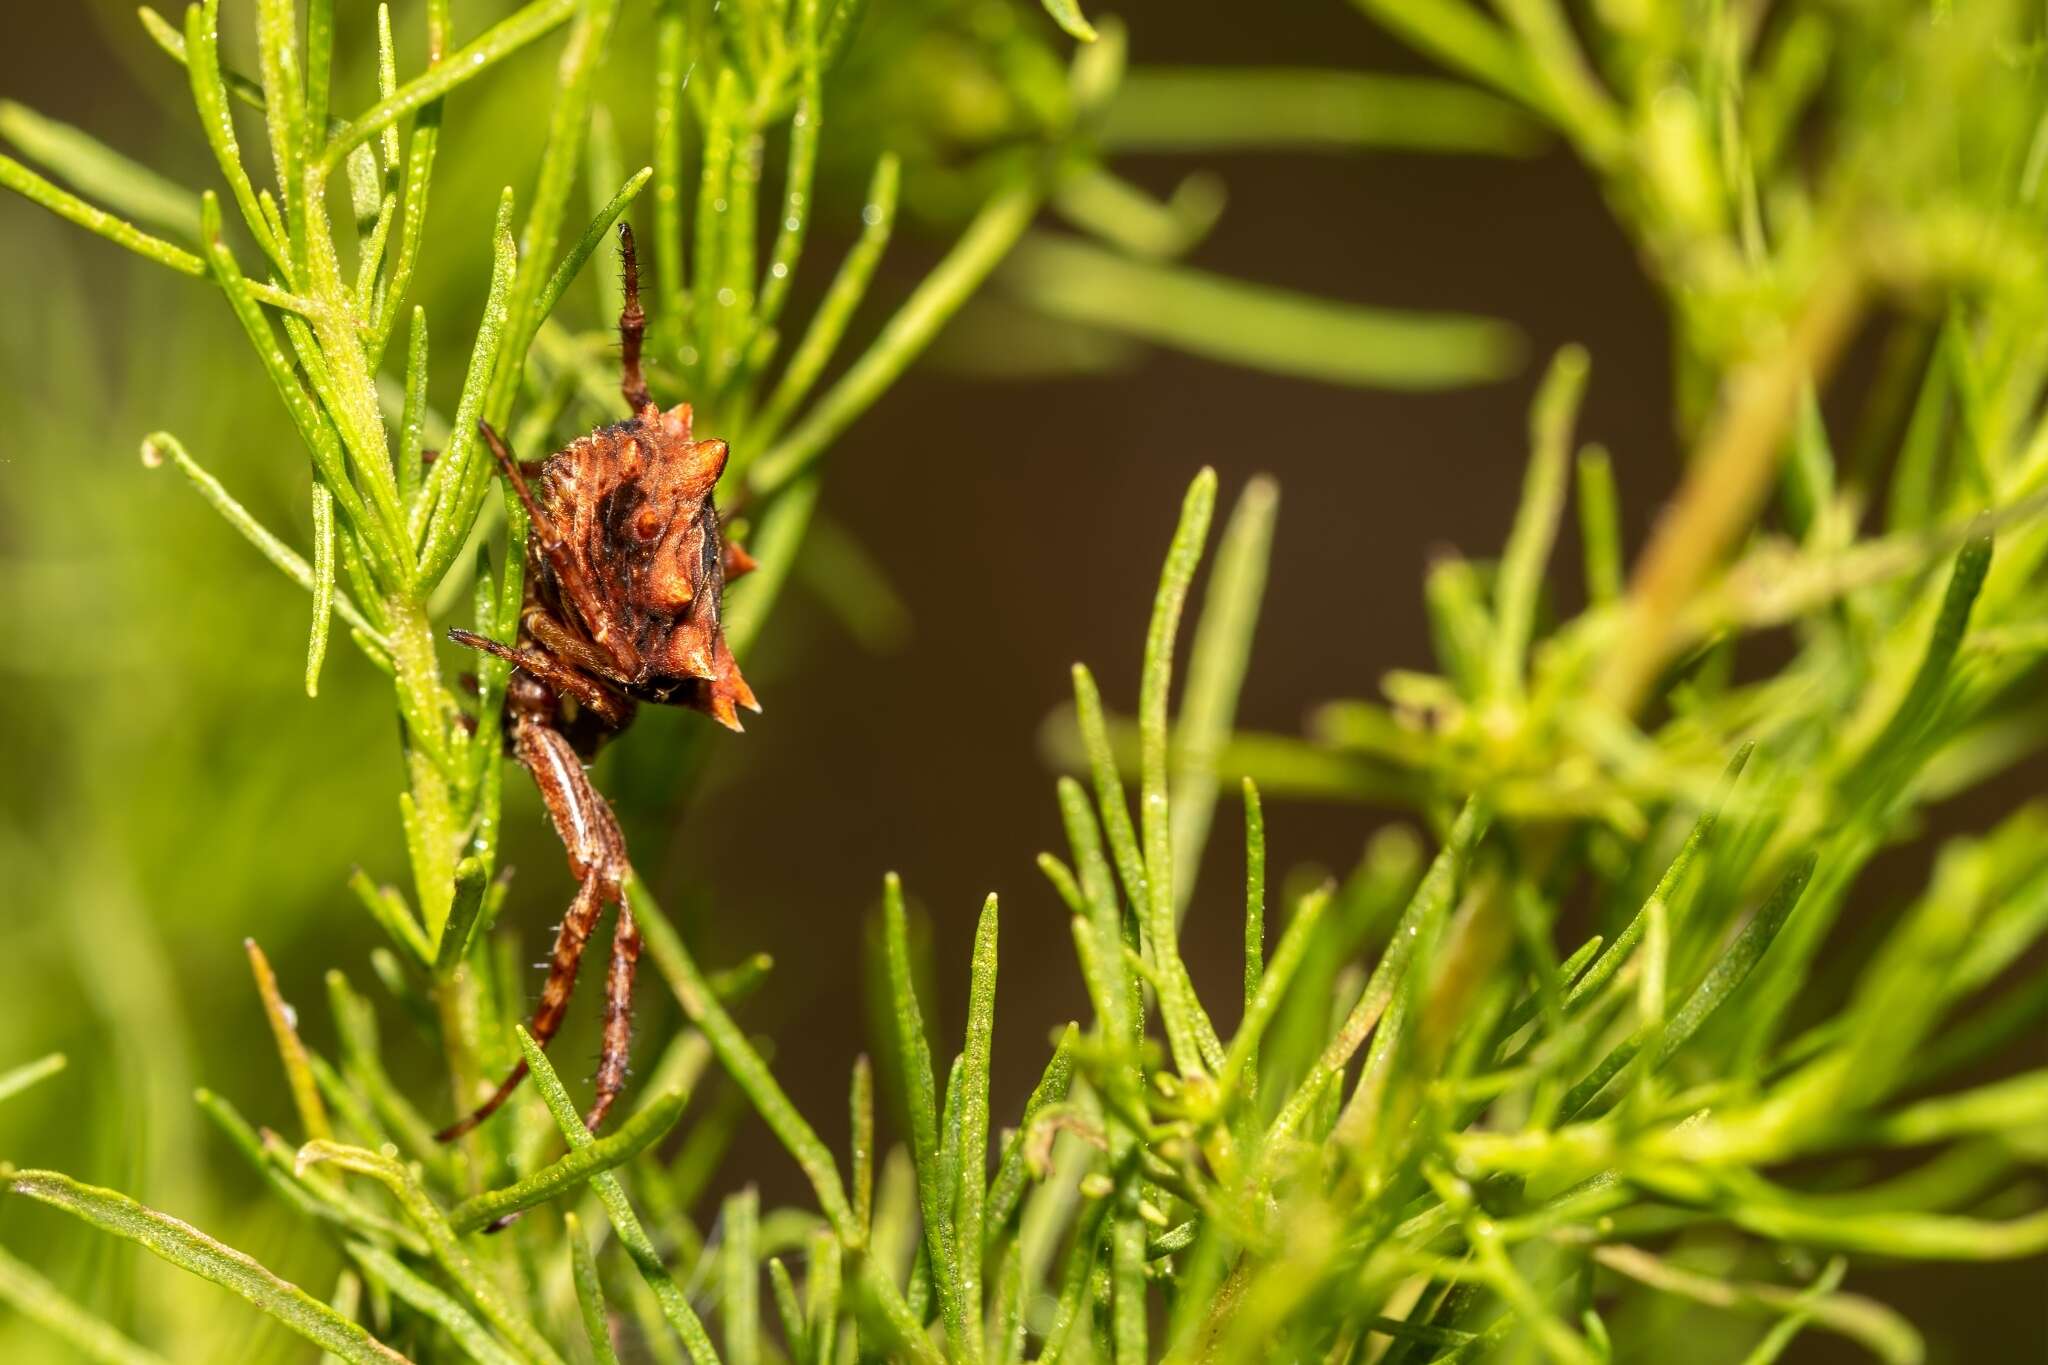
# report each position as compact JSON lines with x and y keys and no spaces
{"x":643,"y":565}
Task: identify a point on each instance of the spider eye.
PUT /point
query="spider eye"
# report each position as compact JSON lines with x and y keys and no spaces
{"x":648,"y":525}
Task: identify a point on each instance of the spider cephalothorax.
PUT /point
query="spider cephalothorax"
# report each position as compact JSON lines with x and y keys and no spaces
{"x":625,"y":581}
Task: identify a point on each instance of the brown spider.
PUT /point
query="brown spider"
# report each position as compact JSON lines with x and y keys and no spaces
{"x":625,"y":572}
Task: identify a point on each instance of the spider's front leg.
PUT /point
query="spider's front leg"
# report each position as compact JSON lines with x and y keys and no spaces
{"x":614,"y":710}
{"x":620,"y":659}
{"x":597,"y":858}
{"x":632,"y":326}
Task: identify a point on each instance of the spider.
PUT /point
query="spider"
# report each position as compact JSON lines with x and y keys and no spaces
{"x":625,"y":572}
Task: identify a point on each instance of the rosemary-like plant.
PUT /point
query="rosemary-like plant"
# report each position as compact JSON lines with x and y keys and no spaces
{"x":1516,"y":1128}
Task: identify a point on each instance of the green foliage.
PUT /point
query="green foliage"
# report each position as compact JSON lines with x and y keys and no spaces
{"x":1472,"y":1148}
{"x":195,"y":1251}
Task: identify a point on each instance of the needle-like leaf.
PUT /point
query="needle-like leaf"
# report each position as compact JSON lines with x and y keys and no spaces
{"x":190,"y":1249}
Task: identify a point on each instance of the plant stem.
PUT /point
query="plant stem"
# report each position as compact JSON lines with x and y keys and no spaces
{"x":419,"y":702}
{"x":1727,"y":479}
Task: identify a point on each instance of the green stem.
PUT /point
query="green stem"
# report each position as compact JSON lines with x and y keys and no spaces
{"x":418,"y":679}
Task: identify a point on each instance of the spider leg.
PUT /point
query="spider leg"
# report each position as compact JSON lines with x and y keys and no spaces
{"x":545,"y":532}
{"x":632,"y":327}
{"x":618,"y":1016}
{"x":515,"y":474}
{"x":556,"y":674}
{"x":597,"y":857}
{"x":556,"y":638}
{"x":583,"y":821}
{"x":623,"y":659}
{"x":570,"y":941}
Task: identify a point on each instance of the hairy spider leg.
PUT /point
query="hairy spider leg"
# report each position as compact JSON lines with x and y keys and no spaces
{"x":515,"y":474}
{"x":557,"y":638}
{"x":632,"y":327}
{"x":625,"y":660}
{"x":556,"y":674}
{"x":618,"y":1016}
{"x":570,"y":940}
{"x":597,"y":858}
